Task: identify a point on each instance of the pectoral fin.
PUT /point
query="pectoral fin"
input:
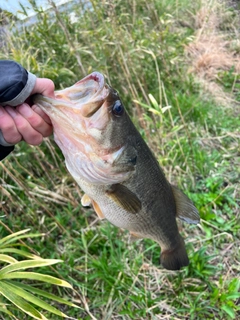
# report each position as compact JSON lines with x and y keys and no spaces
{"x":86,"y":200}
{"x":124,"y":198}
{"x":186,"y":210}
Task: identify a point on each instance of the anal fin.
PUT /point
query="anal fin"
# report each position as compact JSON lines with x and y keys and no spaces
{"x":186,"y":210}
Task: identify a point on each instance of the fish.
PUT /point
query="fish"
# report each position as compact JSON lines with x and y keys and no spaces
{"x":113,"y":165}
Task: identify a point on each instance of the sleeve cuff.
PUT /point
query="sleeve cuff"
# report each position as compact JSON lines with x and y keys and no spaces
{"x":3,"y":142}
{"x":24,"y":94}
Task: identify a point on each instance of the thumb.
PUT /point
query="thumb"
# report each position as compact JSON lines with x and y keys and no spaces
{"x":44,"y":86}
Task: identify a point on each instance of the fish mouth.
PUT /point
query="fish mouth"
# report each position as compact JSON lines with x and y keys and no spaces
{"x":84,"y":97}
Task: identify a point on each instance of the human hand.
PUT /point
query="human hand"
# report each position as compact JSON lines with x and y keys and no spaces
{"x":26,"y":122}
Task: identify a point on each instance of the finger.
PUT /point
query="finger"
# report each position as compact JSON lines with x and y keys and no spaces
{"x":41,"y":113}
{"x":29,"y":134}
{"x":37,"y":122}
{"x":8,"y":127}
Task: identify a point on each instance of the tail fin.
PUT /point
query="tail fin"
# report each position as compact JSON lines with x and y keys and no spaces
{"x":176,"y":258}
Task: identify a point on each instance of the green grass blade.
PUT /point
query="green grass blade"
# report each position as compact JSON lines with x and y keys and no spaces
{"x":20,"y":303}
{"x":31,"y":298}
{"x":25,"y":264}
{"x":38,"y":277}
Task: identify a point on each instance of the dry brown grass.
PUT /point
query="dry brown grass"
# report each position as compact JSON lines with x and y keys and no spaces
{"x":214,"y":49}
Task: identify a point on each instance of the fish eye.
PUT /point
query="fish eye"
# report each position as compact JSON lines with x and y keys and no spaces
{"x":117,"y":108}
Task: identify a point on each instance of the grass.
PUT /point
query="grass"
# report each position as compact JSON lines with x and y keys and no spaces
{"x":152,"y":53}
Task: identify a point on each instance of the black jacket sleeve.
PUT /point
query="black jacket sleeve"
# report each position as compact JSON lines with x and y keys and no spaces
{"x":13,"y":79}
{"x":16,"y":85}
{"x":4,"y":151}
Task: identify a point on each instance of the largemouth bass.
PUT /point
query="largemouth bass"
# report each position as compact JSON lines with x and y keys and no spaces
{"x":115,"y":168}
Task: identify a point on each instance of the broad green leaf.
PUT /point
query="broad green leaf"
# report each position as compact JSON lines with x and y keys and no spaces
{"x":25,"y":264}
{"x":234,"y":285}
{"x":38,"y":277}
{"x":15,"y":239}
{"x":19,"y":302}
{"x":13,"y":235}
{"x":153,"y":101}
{"x":154,"y":111}
{"x":232,"y":296}
{"x":229,"y":311}
{"x":43,"y":293}
{"x":142,"y":104}
{"x":20,"y":253}
{"x":31,"y":298}
{"x":164,"y":109}
{"x":8,"y":259}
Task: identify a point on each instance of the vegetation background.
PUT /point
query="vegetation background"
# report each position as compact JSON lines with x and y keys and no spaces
{"x":176,"y":67}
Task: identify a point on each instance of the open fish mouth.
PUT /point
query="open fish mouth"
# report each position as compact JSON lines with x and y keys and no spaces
{"x":84,"y":97}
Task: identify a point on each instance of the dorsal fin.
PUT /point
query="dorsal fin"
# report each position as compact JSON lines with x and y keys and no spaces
{"x":186,"y":210}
